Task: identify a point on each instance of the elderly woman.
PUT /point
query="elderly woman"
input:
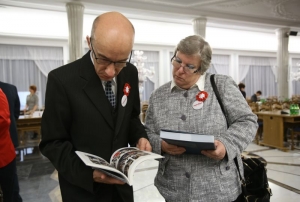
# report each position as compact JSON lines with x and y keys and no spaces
{"x":210,"y":175}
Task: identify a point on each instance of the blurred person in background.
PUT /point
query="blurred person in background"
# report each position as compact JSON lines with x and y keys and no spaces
{"x":242,"y":89}
{"x":7,"y":152}
{"x":32,"y":103}
{"x":256,"y":97}
{"x":11,"y":93}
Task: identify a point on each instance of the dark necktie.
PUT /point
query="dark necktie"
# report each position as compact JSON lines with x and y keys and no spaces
{"x":110,"y":94}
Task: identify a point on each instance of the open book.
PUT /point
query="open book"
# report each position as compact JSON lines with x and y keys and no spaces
{"x":122,"y":162}
{"x":193,"y":143}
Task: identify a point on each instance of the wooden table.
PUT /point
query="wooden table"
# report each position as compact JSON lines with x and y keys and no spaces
{"x":273,"y":128}
{"x":28,"y":123}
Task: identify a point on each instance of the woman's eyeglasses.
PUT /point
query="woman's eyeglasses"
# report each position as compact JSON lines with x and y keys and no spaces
{"x":177,"y":63}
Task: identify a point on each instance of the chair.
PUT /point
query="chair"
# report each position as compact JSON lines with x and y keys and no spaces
{"x":259,"y":133}
{"x":265,"y":107}
{"x":144,"y":109}
{"x":253,"y":106}
{"x":295,"y":137}
{"x":286,"y":106}
{"x":277,"y":107}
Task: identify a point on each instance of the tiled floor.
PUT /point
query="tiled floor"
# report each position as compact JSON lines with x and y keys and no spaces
{"x":38,"y":179}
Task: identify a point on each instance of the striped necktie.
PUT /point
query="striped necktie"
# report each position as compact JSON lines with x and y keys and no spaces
{"x":110,"y":94}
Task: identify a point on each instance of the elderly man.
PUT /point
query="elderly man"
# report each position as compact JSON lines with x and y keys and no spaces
{"x":87,"y":109}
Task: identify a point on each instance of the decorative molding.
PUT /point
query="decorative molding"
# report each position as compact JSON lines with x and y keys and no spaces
{"x":279,"y":8}
{"x":239,"y":3}
{"x":163,"y":3}
{"x":185,"y":4}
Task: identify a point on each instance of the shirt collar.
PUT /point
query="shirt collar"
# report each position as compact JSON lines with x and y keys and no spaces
{"x":199,"y":83}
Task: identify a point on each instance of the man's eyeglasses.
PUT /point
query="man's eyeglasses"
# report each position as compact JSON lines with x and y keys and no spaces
{"x":106,"y":62}
{"x":177,"y":63}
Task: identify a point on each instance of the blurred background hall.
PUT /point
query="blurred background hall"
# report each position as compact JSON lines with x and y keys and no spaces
{"x":256,"y":42}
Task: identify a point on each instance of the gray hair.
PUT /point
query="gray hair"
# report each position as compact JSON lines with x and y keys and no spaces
{"x":196,"y":44}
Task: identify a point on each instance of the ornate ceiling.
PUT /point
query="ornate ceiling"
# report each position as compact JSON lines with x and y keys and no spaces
{"x":265,"y":15}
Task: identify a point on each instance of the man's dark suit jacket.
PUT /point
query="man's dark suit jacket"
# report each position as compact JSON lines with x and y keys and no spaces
{"x":11,"y":93}
{"x":78,"y":116}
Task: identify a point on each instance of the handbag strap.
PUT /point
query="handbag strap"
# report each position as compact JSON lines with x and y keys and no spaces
{"x":213,"y":84}
{"x":212,"y":80}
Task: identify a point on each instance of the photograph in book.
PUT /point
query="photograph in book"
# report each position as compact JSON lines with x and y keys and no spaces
{"x":123,"y":162}
{"x":192,"y":142}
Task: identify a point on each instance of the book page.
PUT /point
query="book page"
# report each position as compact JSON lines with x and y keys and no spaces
{"x":126,"y":159}
{"x":97,"y":162}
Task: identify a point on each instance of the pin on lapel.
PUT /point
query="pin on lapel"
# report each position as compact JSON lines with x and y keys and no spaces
{"x":200,"y":98}
{"x":126,"y":91}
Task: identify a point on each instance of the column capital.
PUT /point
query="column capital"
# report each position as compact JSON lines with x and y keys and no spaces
{"x":282,"y":32}
{"x":200,"y":19}
{"x":75,"y":4}
{"x":199,"y":25}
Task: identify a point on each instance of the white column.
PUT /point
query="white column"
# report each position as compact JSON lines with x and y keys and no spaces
{"x":164,"y":73}
{"x":199,"y":25}
{"x":75,"y":22}
{"x":283,"y":63}
{"x":234,"y":67}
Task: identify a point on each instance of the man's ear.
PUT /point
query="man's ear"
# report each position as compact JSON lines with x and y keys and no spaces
{"x":88,"y":40}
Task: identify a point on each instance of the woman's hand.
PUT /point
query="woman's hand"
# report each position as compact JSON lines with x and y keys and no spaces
{"x":171,"y":149}
{"x":218,"y":154}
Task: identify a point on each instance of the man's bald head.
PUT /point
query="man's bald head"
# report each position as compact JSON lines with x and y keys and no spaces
{"x":112,"y":25}
{"x":112,"y":39}
{"x":114,"y":33}
{"x":112,"y":18}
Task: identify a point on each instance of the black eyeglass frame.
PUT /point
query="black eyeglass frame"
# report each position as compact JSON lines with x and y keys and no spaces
{"x":190,"y":68}
{"x":107,"y":60}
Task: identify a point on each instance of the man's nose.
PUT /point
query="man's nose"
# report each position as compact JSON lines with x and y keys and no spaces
{"x":110,"y":70}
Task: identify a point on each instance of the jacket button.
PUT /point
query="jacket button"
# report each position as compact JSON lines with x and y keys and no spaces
{"x":183,"y":117}
{"x":227,"y":167}
{"x":185,"y":94}
{"x":187,"y":175}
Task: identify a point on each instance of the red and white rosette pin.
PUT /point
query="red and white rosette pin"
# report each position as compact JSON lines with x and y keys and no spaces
{"x":200,"y":98}
{"x":126,"y":91}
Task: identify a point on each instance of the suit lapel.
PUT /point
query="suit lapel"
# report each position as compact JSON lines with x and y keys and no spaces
{"x":94,"y":89}
{"x":121,"y":109}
